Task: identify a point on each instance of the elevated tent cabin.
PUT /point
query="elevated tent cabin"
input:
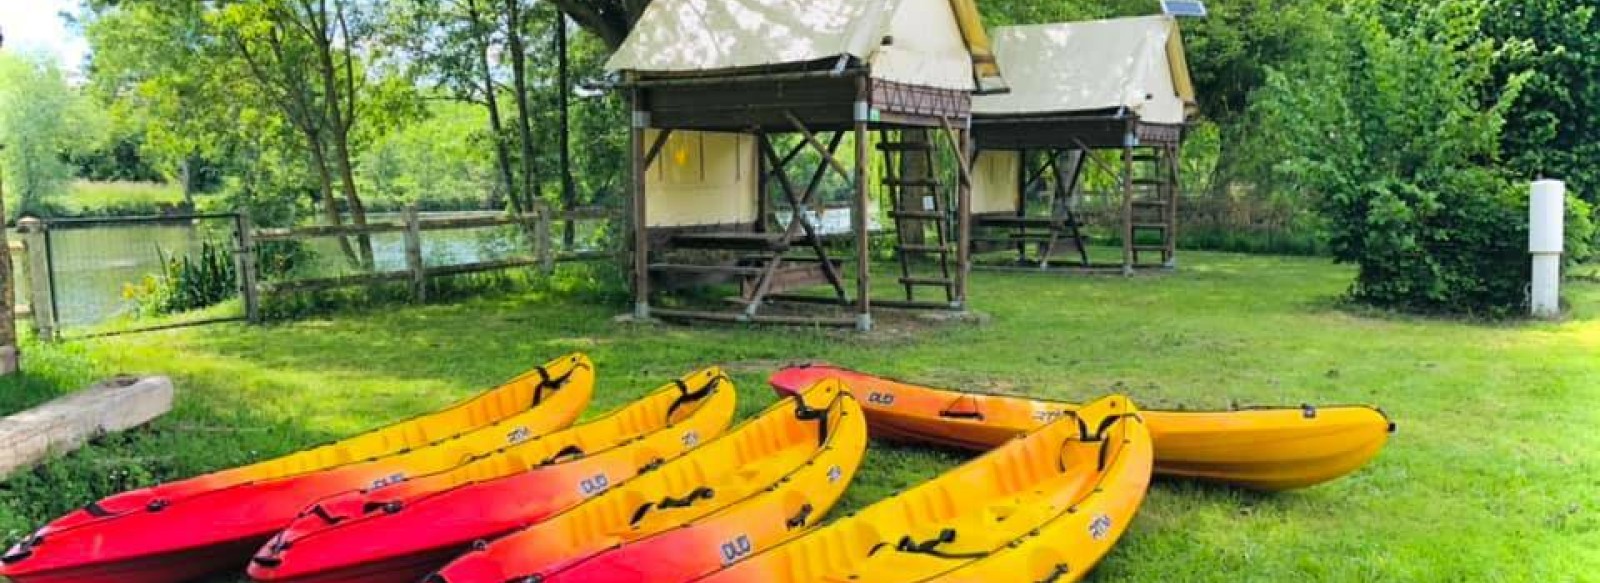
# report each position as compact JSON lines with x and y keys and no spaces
{"x":731,"y":97}
{"x":1079,"y":90}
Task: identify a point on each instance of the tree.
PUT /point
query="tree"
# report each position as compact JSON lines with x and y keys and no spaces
{"x":41,"y":120}
{"x":1553,"y":128}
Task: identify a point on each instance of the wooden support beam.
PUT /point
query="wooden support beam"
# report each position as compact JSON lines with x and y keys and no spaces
{"x":1127,"y":203}
{"x":636,"y":193}
{"x":858,"y":215}
{"x":413,"y":245}
{"x":655,"y":148}
{"x":827,"y":155}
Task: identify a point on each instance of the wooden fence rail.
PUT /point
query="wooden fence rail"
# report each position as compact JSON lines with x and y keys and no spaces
{"x":542,"y":252}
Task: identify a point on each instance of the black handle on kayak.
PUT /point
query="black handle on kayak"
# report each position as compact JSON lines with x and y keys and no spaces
{"x":1061,"y":570}
{"x":686,"y":396}
{"x":701,"y":493}
{"x":799,"y":519}
{"x":566,"y":454}
{"x":961,"y":415}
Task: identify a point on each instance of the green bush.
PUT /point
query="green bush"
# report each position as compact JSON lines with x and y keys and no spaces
{"x":1394,"y":131}
{"x":187,"y":282}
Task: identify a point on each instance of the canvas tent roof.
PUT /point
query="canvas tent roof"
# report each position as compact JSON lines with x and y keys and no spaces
{"x":917,"y":42}
{"x":1136,"y":63}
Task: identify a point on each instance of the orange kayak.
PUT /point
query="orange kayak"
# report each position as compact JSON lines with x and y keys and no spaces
{"x":1269,"y":449}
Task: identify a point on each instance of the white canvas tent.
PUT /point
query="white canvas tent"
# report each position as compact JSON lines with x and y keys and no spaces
{"x":1132,"y":64}
{"x":1120,"y":84}
{"x":927,"y":42}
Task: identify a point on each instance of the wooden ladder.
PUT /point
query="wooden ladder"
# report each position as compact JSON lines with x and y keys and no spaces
{"x":1152,"y":212}
{"x":915,"y":218}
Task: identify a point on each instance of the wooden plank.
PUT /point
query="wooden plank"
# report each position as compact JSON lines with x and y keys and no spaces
{"x":249,"y":272}
{"x":676,"y":314}
{"x":465,"y":268}
{"x":65,"y":424}
{"x":453,"y":223}
{"x":317,"y":231}
{"x":826,"y":152}
{"x":303,"y":285}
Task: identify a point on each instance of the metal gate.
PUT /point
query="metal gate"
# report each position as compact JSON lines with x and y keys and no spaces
{"x":90,"y":277}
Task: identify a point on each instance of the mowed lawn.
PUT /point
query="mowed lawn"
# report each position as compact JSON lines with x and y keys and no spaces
{"x":1493,"y":476}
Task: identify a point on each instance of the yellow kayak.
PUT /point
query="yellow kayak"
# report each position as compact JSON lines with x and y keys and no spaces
{"x":1056,"y":499}
{"x":1268,"y":449}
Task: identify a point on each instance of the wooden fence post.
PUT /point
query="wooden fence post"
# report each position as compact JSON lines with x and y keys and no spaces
{"x":244,"y":263}
{"x":541,"y":237}
{"x":36,"y":242}
{"x":419,"y":271}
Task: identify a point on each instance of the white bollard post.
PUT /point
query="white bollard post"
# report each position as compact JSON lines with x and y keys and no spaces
{"x":1546,"y":241}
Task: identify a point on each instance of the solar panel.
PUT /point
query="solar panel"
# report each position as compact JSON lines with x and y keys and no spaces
{"x":1184,"y":8}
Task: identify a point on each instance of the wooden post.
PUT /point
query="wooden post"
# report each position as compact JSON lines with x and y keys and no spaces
{"x":244,"y":264}
{"x":543,"y":217}
{"x":858,"y":215}
{"x":1127,"y":201}
{"x":43,"y":303}
{"x":8,"y":298}
{"x":1174,"y":189}
{"x":964,"y":215}
{"x":414,"y":264}
{"x":641,"y":231}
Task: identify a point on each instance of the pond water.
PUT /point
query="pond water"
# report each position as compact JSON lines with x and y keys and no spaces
{"x":94,"y":264}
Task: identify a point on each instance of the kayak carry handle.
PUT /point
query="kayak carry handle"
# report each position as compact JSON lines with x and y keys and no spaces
{"x":701,"y":493}
{"x":686,"y":396}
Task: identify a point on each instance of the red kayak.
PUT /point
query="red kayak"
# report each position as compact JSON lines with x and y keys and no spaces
{"x":755,"y":487}
{"x":405,"y":531}
{"x":188,"y":529}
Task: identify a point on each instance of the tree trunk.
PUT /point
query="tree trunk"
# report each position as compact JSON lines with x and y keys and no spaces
{"x":491,"y":101}
{"x":569,"y":191}
{"x":330,"y":204}
{"x":341,"y":115}
{"x":9,"y":354}
{"x":519,"y":81}
{"x":914,"y":165}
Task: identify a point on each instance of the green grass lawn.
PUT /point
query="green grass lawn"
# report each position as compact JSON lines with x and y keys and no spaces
{"x":1493,"y":475}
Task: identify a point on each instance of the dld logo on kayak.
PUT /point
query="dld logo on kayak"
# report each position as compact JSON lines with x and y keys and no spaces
{"x":594,"y":485}
{"x":736,"y":549}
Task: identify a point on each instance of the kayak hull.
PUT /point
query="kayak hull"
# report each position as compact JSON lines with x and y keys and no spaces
{"x":209,"y":524}
{"x":753,"y":488}
{"x":1269,"y":449}
{"x":1093,"y":469}
{"x":169,"y":567}
{"x":404,"y":531}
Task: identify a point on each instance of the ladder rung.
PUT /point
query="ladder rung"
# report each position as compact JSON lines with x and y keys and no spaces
{"x":1161,"y":226}
{"x":925,"y":215}
{"x":1148,"y":182}
{"x":905,"y":146}
{"x":691,"y":268}
{"x":1145,"y":158}
{"x":911,"y":182}
{"x":1162,"y":248}
{"x":925,"y":248}
{"x":1150,"y":203}
{"x":933,"y":281}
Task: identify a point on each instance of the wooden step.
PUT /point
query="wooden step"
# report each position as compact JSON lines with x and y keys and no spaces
{"x":911,"y":182}
{"x":706,"y":269}
{"x":906,"y":146}
{"x":1148,"y":182}
{"x":1041,"y":222}
{"x":734,"y":241}
{"x":918,"y":215}
{"x":1162,"y":248}
{"x":929,"y":281}
{"x":1150,"y":203}
{"x":939,"y":249}
{"x":1152,"y":226}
